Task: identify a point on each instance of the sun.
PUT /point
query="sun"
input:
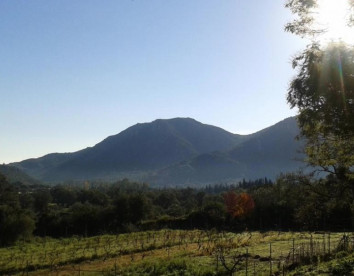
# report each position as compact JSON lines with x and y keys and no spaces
{"x":333,"y":16}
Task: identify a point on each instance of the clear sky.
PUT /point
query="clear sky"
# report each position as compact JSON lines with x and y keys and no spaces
{"x":75,"y":72}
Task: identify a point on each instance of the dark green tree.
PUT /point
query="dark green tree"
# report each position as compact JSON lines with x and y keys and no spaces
{"x":42,"y":198}
{"x":62,"y":195}
{"x":15,"y":223}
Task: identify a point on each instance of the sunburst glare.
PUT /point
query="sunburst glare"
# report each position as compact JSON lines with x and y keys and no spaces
{"x":332,"y":16}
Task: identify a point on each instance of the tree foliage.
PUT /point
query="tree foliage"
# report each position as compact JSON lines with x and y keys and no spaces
{"x":323,"y":92}
{"x":238,"y":205}
{"x":15,"y":222}
{"x":291,"y":202}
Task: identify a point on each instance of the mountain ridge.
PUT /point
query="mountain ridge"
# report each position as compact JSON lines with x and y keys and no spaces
{"x":266,"y":153}
{"x":141,"y":147}
{"x":174,"y":151}
{"x":14,"y":176}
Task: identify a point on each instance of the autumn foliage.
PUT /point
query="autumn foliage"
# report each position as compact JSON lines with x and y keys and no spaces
{"x":238,"y":205}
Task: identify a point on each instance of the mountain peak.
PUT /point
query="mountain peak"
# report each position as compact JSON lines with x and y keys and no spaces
{"x":177,"y":119}
{"x":142,"y":147}
{"x":175,"y":150}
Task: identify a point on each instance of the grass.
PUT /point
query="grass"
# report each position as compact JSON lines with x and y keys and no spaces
{"x":340,"y":264}
{"x":175,"y":252}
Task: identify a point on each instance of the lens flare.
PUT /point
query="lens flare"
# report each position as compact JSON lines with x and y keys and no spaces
{"x":333,"y":16}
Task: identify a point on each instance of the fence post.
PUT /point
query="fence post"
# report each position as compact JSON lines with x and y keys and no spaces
{"x":270,"y":258}
{"x":329,"y":242}
{"x":247,"y":262}
{"x":293,"y":250}
{"x":115,"y":268}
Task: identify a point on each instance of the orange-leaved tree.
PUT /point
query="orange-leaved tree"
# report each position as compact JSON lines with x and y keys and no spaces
{"x":238,"y":205}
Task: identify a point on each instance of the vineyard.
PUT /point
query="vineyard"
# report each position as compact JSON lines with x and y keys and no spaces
{"x":177,"y":252}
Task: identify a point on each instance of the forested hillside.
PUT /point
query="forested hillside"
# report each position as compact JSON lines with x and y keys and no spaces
{"x":266,"y":153}
{"x":15,"y":175}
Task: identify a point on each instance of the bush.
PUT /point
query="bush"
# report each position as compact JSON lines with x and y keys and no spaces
{"x":342,"y":268}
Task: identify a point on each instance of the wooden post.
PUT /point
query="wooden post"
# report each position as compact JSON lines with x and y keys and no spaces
{"x":293,"y":250}
{"x":329,"y":242}
{"x":247,"y":262}
{"x":270,"y":259}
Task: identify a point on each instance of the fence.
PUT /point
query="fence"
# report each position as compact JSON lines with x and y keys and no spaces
{"x":307,"y":252}
{"x":225,"y":251}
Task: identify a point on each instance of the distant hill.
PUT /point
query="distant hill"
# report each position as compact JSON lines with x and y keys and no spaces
{"x":266,"y":153}
{"x":15,"y":175}
{"x":178,"y":151}
{"x":139,"y":149}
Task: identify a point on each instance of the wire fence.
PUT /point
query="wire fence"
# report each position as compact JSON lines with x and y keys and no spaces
{"x":310,"y":251}
{"x":221,"y":249}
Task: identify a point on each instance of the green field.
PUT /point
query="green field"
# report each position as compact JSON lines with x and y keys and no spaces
{"x":177,"y":252}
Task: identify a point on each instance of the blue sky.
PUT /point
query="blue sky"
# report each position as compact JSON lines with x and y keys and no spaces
{"x":75,"y":72}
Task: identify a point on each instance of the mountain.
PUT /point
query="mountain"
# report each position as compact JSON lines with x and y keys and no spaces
{"x":135,"y":151}
{"x":266,"y":153}
{"x":15,"y":175}
{"x":178,"y":151}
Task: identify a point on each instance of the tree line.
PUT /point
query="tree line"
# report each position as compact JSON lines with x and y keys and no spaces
{"x":292,"y":202}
